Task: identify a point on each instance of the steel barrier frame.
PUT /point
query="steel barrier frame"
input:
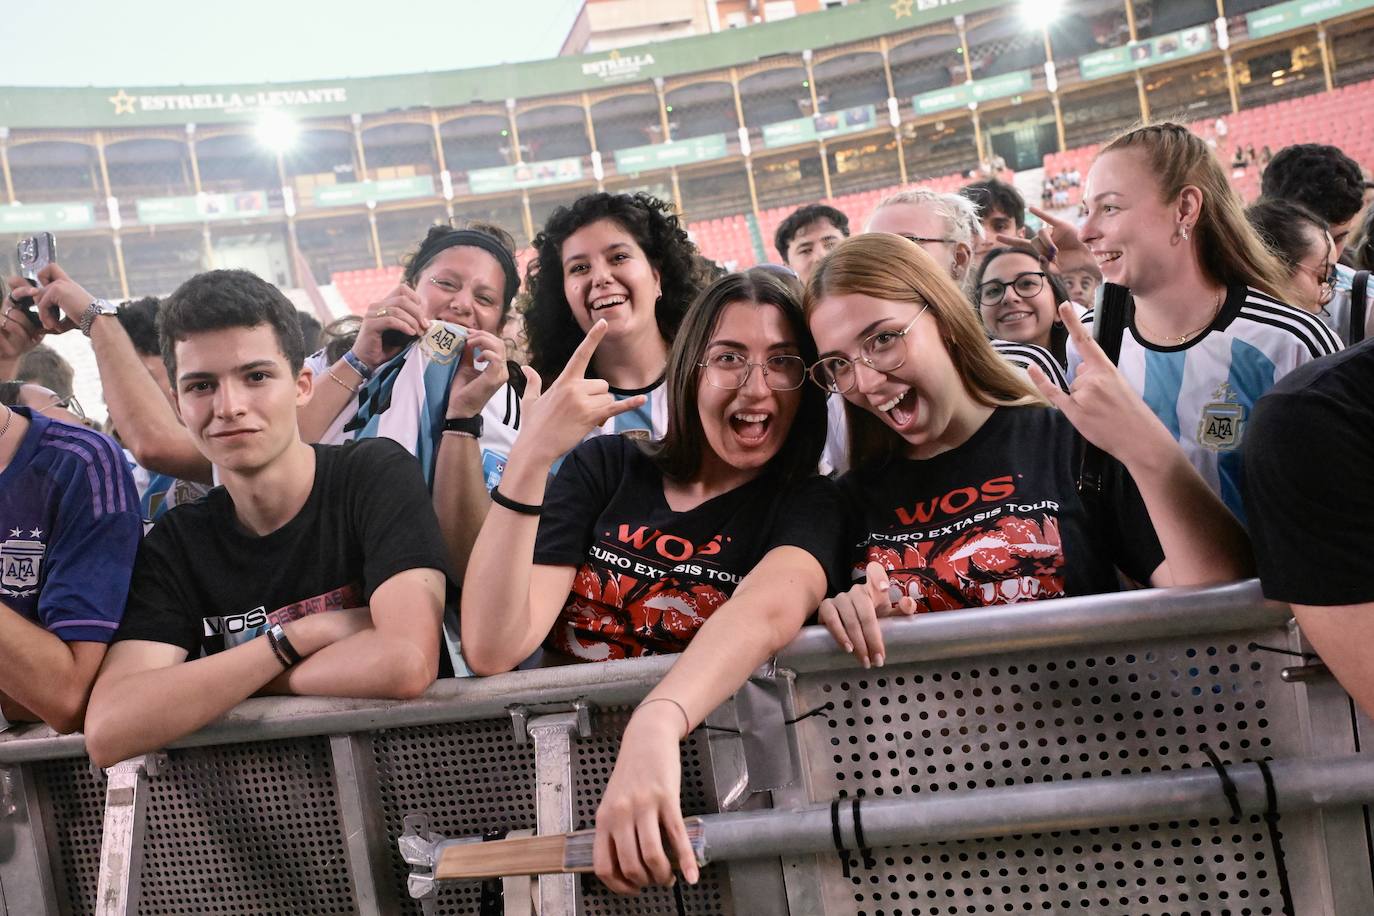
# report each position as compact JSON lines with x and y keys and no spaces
{"x":789,"y":885}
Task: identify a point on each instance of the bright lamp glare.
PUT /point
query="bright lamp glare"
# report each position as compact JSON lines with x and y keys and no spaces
{"x":277,"y":131}
{"x":1035,"y":13}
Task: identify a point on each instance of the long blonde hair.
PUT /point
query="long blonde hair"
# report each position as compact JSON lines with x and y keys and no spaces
{"x":1228,"y":248}
{"x":893,"y":269}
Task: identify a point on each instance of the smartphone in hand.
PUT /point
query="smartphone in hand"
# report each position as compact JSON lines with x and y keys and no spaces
{"x":33,"y":254}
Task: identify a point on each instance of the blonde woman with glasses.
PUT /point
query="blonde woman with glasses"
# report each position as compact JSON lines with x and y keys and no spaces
{"x":963,"y":491}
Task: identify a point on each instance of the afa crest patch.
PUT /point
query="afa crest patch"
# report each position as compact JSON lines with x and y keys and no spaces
{"x":1222,"y":422}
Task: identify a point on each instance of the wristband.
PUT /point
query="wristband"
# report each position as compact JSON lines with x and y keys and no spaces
{"x":468,"y":426}
{"x":341,"y":383}
{"x":282,"y":646}
{"x":363,"y":369}
{"x":523,"y":508}
{"x":687,"y":721}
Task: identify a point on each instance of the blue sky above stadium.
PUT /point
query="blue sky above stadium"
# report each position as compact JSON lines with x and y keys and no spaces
{"x":159,"y":42}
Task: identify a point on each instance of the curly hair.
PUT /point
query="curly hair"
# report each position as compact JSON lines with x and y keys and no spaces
{"x":1321,"y":178}
{"x":552,"y":331}
{"x":139,"y":319}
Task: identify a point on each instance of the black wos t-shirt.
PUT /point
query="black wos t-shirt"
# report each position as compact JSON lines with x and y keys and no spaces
{"x":1308,"y":493}
{"x":648,"y":577}
{"x":203,"y":583}
{"x":999,"y":520}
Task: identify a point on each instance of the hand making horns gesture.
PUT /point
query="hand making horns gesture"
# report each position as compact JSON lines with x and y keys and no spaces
{"x":573,"y":406}
{"x":1101,"y":404}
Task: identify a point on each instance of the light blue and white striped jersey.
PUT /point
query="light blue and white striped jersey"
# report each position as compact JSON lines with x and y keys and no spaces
{"x":1203,"y":390}
{"x":1336,"y":314}
{"x":407,"y":397}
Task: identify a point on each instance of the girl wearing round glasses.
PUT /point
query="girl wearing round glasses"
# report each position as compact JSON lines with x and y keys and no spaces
{"x":964,"y":490}
{"x":1301,"y":240}
{"x":1018,"y":300}
{"x":707,"y":542}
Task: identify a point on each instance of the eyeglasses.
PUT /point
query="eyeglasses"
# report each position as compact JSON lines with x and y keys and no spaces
{"x":1326,"y":280}
{"x":881,"y":351}
{"x":70,"y":403}
{"x":731,"y":370}
{"x":1027,"y":283}
{"x":922,"y":241}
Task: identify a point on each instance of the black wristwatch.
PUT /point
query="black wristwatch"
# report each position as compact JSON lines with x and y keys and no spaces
{"x":471,"y":426}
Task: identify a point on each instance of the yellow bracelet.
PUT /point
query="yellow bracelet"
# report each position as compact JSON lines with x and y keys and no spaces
{"x":340,"y":382}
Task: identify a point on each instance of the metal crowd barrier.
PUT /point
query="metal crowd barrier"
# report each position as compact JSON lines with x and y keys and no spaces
{"x":1040,"y":758}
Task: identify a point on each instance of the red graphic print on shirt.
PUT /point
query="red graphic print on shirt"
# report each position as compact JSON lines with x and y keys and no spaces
{"x":1002,"y":560}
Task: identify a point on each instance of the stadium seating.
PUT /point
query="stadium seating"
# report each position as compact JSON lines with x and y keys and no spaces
{"x":360,"y":288}
{"x":1343,"y":117}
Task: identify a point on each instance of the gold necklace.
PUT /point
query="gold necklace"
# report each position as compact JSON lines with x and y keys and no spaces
{"x":1183,"y":338}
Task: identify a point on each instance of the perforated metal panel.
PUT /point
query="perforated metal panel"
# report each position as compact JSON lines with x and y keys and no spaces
{"x":967,"y":725}
{"x":74,"y":799}
{"x":466,"y":778}
{"x":249,"y":828}
{"x":593,"y":761}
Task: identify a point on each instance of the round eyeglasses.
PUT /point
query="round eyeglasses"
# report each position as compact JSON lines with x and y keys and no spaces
{"x":1027,"y":283}
{"x":731,"y":370}
{"x":881,"y":351}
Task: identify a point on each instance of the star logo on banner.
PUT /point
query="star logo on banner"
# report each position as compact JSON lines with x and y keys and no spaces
{"x":124,"y":103}
{"x":901,"y":8}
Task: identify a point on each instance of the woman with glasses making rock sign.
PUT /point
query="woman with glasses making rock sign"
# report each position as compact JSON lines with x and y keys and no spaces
{"x":963,"y":492}
{"x":713,"y":541}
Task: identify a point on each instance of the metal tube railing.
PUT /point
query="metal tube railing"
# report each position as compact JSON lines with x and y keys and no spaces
{"x":1142,"y":615}
{"x":1301,"y":784}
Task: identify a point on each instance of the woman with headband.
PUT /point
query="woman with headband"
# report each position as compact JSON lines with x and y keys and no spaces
{"x":443,"y":392}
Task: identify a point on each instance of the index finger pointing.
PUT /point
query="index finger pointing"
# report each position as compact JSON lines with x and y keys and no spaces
{"x":582,"y":356}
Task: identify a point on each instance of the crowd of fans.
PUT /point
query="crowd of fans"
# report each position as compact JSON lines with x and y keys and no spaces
{"x":275,"y":507}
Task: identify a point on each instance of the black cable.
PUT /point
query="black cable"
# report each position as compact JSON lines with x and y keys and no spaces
{"x":1271,"y":820}
{"x":836,"y":838}
{"x":864,"y":851}
{"x":1228,"y":786}
{"x":1254,"y":646}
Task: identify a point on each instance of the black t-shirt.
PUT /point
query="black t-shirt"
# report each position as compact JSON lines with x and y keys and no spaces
{"x":1309,"y":456}
{"x":203,"y":583}
{"x":999,"y":519}
{"x":647,"y":576}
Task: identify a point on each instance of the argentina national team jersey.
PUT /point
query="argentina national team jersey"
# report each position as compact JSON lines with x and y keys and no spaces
{"x":1204,"y":390}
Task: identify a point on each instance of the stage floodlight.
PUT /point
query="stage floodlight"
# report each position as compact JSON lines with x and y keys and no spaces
{"x":277,"y":131}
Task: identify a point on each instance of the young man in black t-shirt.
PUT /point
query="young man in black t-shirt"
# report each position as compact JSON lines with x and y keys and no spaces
{"x":1310,"y":500}
{"x":230,"y":593}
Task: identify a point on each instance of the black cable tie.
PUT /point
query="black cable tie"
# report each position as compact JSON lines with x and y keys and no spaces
{"x":864,"y":851}
{"x":824,"y":707}
{"x":836,"y":838}
{"x":677,"y":898}
{"x":1228,"y":786}
{"x":1271,"y":820}
{"x":1254,"y":646}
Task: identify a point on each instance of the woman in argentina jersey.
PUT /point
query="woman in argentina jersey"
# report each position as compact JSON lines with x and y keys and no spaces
{"x":625,"y":259}
{"x":964,"y":490}
{"x":1209,"y":331}
{"x":451,"y":398}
